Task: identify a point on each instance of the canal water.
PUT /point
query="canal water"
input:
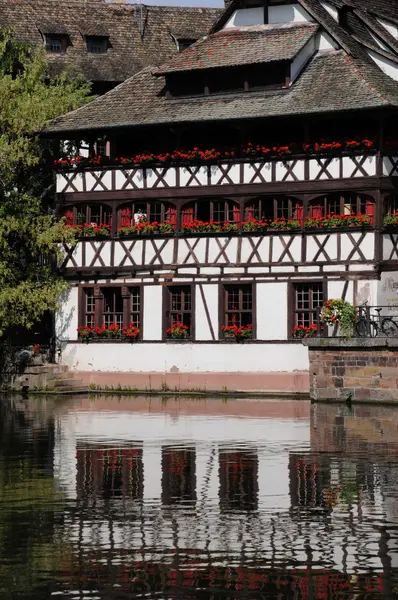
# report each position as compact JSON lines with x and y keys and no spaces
{"x":115,"y":498}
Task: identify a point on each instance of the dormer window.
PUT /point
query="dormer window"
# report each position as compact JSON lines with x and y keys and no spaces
{"x":96,"y":44}
{"x":56,"y":43}
{"x":229,"y":80}
{"x":183,"y":44}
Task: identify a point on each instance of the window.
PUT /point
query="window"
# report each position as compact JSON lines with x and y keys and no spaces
{"x":183,"y":44}
{"x":96,"y":44}
{"x":88,"y":213}
{"x":238,"y":305}
{"x":270,"y":208}
{"x":342,"y":204}
{"x":307,"y":298}
{"x":220,"y":211}
{"x":111,"y":305}
{"x":392,"y":205}
{"x":101,"y":148}
{"x":89,"y":307}
{"x":179,"y":307}
{"x":151,"y":212}
{"x":56,"y":43}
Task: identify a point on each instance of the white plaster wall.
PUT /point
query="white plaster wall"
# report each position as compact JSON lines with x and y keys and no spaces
{"x":301,"y":60}
{"x":288,"y":13}
{"x":331,"y":10}
{"x":202,"y":326}
{"x":246,"y":17}
{"x":336,"y":289}
{"x":367,"y":291}
{"x":186,"y":357}
{"x":388,"y":292}
{"x":391,"y":27}
{"x":325,"y":42}
{"x":66,"y":317}
{"x":272,"y":311}
{"x":387,"y":66}
{"x":153,"y":301}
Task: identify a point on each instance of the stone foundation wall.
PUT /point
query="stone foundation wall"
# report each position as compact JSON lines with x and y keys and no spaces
{"x":365,"y":369}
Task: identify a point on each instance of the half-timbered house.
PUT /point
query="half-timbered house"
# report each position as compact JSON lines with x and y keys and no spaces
{"x":244,"y":182}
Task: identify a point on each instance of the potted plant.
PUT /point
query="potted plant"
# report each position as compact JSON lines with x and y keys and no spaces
{"x":302,"y":331}
{"x":85,"y":333}
{"x":237,"y":333}
{"x":337,"y":311}
{"x":178,"y":331}
{"x":114,"y":331}
{"x":131,"y":332}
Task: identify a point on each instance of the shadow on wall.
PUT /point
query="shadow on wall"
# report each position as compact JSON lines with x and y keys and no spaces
{"x":65,"y":315}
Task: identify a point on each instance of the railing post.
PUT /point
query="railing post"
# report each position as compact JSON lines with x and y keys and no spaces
{"x":367,"y":313}
{"x":318,"y":322}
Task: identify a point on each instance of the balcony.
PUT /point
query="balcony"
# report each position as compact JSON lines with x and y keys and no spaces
{"x":253,"y":171}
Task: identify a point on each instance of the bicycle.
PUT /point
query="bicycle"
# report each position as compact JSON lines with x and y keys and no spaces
{"x":368,"y":326}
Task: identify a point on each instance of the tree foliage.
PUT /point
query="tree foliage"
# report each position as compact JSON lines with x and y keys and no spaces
{"x":30,"y":234}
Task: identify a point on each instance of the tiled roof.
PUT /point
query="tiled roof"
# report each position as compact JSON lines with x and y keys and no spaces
{"x":139,"y":35}
{"x":245,"y":46}
{"x":331,"y":82}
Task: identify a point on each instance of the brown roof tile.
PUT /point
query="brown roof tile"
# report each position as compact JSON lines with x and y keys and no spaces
{"x":138,"y":35}
{"x":243,"y":46}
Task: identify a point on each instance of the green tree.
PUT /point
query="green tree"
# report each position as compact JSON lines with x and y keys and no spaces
{"x":29,"y":231}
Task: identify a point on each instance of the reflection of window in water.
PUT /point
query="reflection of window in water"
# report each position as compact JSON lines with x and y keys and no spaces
{"x":109,"y":472}
{"x":310,"y":480}
{"x":238,"y":480}
{"x":178,"y":475}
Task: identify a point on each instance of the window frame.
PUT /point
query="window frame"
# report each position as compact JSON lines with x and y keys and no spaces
{"x":75,"y":208}
{"x":291,"y":200}
{"x":222,"y":299}
{"x":326,"y":199}
{"x":230,"y":204}
{"x":166,"y":321}
{"x":99,"y":304}
{"x":92,"y":39}
{"x":292,"y":311}
{"x":165,"y":205}
{"x":63,"y":38}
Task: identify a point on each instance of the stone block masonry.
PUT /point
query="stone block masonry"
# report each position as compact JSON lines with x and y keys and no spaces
{"x":365,"y":369}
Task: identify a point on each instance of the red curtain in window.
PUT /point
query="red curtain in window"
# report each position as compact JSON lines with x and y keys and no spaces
{"x":187,"y":216}
{"x":299,"y":213}
{"x":316,"y":211}
{"x":172,"y":216}
{"x":125,"y":217}
{"x":236,"y":213}
{"x":370,"y":210}
{"x":68,"y":214}
{"x":250,"y":212}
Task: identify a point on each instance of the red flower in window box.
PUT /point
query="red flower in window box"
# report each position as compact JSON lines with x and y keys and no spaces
{"x":301,"y":331}
{"x":131,"y":332}
{"x":85,"y":333}
{"x":234,"y":331}
{"x":178,"y":331}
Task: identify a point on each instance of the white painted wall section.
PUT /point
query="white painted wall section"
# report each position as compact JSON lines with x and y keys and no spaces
{"x":245,"y":17}
{"x":331,"y":10}
{"x":272,"y":311}
{"x":387,"y":66}
{"x":153,"y":310}
{"x":206,"y":312}
{"x":301,"y":59}
{"x":391,"y":27}
{"x":325,"y":42}
{"x":288,"y":13}
{"x":336,"y":290}
{"x":186,"y":357}
{"x":66,"y":318}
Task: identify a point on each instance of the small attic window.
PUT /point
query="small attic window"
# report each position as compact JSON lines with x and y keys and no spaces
{"x":96,"y":44}
{"x":183,"y":44}
{"x":56,"y":43}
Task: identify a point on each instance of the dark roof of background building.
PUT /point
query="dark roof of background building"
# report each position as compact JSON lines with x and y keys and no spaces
{"x":244,"y":46}
{"x":139,"y":35}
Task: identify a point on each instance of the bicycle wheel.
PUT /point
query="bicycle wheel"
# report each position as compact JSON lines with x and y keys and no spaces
{"x":389,"y":327}
{"x":365,"y":328}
